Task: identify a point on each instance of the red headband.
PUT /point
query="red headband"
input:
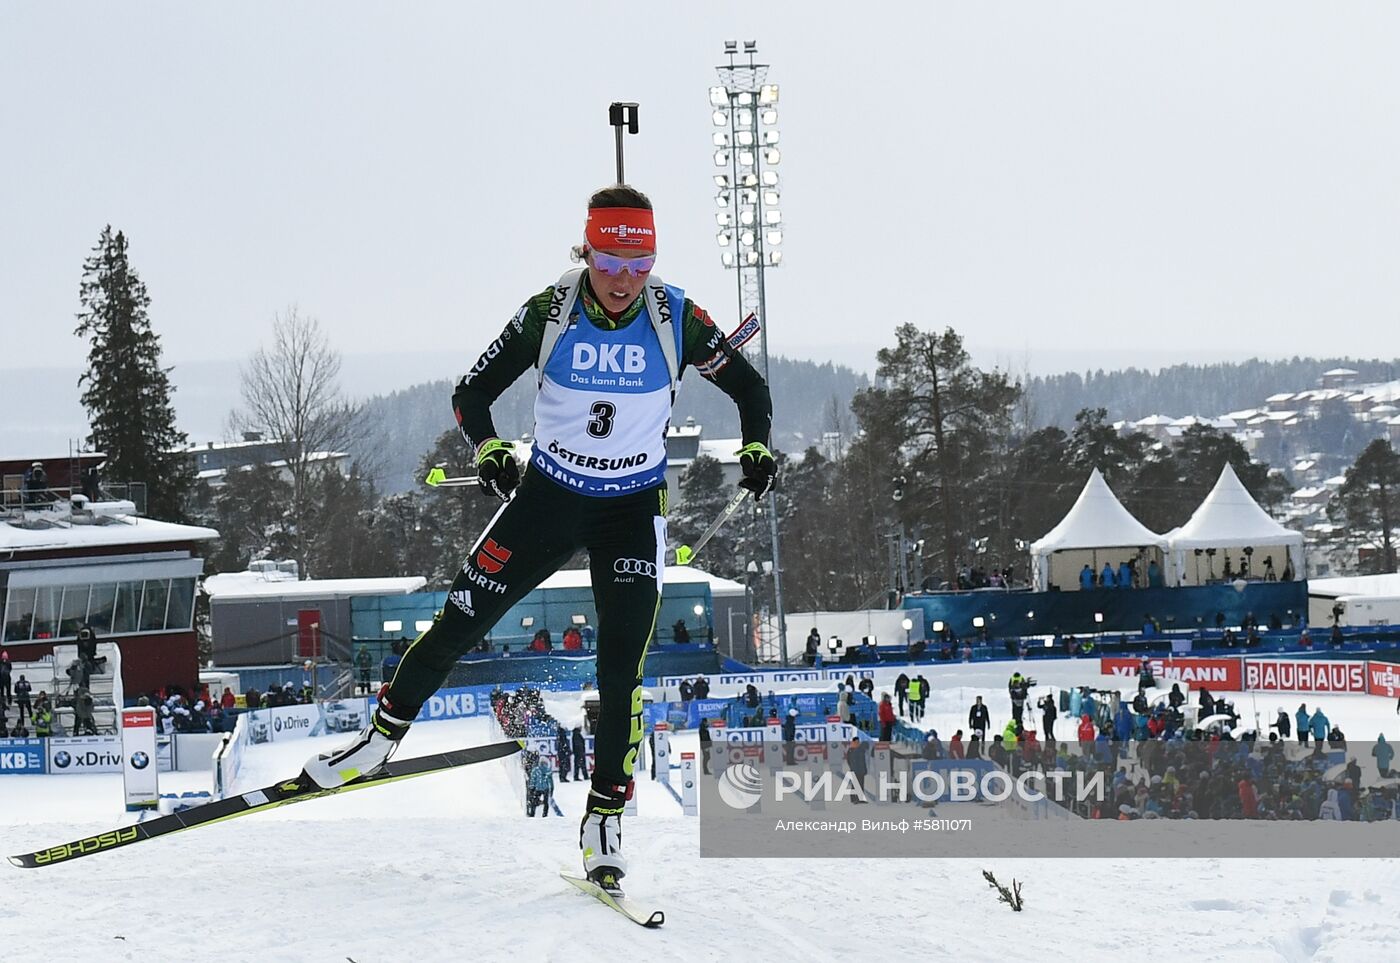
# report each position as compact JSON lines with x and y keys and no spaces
{"x":628,"y":227}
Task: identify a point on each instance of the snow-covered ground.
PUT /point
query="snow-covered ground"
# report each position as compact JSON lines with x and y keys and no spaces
{"x":445,"y":868}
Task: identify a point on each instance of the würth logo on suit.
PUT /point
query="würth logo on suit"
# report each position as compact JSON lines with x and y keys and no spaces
{"x":492,"y":557}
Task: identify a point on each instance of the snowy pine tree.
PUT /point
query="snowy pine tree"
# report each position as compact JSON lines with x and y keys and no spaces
{"x":127,"y":393}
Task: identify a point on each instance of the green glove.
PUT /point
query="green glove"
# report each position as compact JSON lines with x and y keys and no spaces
{"x":759,"y":467}
{"x":497,"y":472}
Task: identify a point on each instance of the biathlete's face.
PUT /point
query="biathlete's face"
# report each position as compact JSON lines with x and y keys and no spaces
{"x":617,"y":275}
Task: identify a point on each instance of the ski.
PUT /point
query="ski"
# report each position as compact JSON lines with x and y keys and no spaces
{"x":634,"y":911}
{"x":284,"y":793}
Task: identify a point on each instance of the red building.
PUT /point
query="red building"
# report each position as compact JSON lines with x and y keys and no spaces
{"x":66,"y":562}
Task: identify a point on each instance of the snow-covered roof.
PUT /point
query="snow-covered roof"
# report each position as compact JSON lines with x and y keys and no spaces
{"x":1229,"y":515}
{"x":723,"y":450}
{"x":1374,"y":585}
{"x":1244,"y":414}
{"x":675,"y":575}
{"x":51,"y":530}
{"x":1153,"y":420}
{"x":1309,"y":493}
{"x":1338,"y":373}
{"x":247,"y":585}
{"x":1281,"y":396}
{"x":1097,"y":520}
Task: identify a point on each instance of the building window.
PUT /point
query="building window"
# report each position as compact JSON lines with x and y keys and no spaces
{"x":100,"y":607}
{"x":46,"y":606}
{"x":128,"y":608}
{"x":181,"y":612}
{"x":73,"y":613}
{"x":19,"y":615}
{"x":154,"y":600}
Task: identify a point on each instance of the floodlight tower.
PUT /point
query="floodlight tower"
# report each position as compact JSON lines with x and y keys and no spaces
{"x":750,"y":220}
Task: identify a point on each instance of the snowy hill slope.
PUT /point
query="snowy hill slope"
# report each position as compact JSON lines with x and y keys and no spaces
{"x":444,"y":868}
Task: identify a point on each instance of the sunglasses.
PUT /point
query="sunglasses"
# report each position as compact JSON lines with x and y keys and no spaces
{"x":612,"y":266}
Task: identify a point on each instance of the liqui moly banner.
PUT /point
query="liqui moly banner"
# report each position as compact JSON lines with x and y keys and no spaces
{"x":1280,"y":675}
{"x":140,"y":772}
{"x":1223,"y":675}
{"x":1383,"y":679}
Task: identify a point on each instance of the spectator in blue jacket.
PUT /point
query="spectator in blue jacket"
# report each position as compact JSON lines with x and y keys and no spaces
{"x":1086,"y":577}
{"x":1303,"y":723}
{"x":1384,"y":753}
{"x":1319,"y":725}
{"x":1106,"y":578}
{"x":541,"y":787}
{"x":1125,"y":575}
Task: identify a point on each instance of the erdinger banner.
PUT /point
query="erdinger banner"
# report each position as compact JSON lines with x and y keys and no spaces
{"x":139,"y":766}
{"x":1223,"y":675}
{"x":1383,"y":679}
{"x":1279,"y":675}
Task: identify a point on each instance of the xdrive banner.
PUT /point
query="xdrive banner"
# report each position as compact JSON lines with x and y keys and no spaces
{"x":1198,"y":798}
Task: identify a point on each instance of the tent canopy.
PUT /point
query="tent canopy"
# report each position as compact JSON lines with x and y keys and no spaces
{"x":1230,"y":516}
{"x":1097,"y":522}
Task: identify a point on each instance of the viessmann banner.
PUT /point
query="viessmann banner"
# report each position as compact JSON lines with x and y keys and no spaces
{"x":1224,"y":675}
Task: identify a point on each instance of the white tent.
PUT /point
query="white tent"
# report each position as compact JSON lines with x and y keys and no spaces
{"x":1097,"y":530}
{"x":1226,"y":524}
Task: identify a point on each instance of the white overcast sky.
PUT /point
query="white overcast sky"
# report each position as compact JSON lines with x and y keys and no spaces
{"x":1068,"y":184}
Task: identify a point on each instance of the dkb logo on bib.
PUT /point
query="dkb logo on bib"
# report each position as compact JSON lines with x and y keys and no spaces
{"x":604,"y":357}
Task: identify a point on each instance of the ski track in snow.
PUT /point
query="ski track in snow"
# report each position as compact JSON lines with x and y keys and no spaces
{"x":444,"y":868}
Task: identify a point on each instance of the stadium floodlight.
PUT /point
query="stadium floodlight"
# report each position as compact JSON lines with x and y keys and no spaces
{"x":721,"y":139}
{"x":907,"y":624}
{"x":423,"y":625}
{"x":577,"y":619}
{"x":938,"y":626}
{"x":699,"y":609}
{"x":722,"y":180}
{"x":724,"y":219}
{"x":749,"y":237}
{"x":527,"y":621}
{"x":393,"y":625}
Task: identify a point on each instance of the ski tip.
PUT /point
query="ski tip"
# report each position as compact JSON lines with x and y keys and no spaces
{"x":18,"y":861}
{"x":654,"y":920}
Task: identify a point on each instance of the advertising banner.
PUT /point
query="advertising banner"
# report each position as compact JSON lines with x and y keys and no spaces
{"x":1383,"y":679}
{"x":302,"y":721}
{"x":1223,"y":675}
{"x":140,"y":771}
{"x":1280,"y":675}
{"x":77,"y":754}
{"x":22,"y":757}
{"x":461,"y":702}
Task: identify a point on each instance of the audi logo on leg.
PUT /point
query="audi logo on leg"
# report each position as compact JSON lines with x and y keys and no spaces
{"x":634,"y":566}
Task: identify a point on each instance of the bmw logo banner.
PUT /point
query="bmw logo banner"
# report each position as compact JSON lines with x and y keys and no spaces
{"x":140,"y":778}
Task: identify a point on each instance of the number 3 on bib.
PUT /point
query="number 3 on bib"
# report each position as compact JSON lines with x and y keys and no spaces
{"x":601,"y":425}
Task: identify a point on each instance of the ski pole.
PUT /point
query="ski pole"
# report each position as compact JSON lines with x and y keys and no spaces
{"x":685,"y":554}
{"x":437,"y":478}
{"x":622,"y":115}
